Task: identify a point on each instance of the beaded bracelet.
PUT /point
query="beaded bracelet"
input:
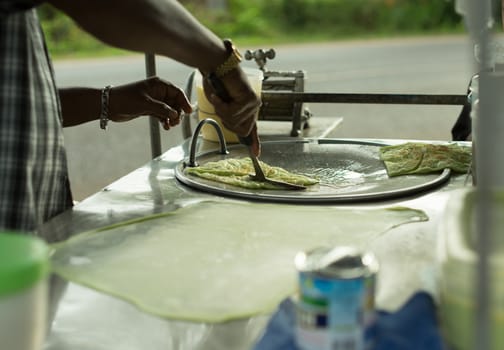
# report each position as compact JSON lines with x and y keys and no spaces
{"x":105,"y":93}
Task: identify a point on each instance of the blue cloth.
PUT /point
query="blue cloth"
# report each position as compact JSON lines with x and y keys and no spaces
{"x":413,"y":327}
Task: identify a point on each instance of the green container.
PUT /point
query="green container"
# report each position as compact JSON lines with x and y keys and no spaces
{"x":24,"y":269}
{"x":24,"y":261}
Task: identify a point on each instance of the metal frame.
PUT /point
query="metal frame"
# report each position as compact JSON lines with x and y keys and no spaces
{"x":155,"y":135}
{"x":283,"y":109}
{"x":281,"y":105}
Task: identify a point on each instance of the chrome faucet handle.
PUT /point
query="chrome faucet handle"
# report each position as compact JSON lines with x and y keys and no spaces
{"x":260,"y":56}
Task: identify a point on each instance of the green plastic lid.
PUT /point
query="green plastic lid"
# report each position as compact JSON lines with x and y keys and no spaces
{"x":24,"y":260}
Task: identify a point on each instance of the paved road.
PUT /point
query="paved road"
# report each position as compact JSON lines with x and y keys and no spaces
{"x":420,"y":65}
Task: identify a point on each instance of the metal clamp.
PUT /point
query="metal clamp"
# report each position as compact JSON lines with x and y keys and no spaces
{"x":194,"y":140}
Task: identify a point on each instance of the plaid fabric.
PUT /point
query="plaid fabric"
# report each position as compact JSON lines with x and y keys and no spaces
{"x":33,"y":172}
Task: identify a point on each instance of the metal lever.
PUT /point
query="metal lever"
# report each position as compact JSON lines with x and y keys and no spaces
{"x":194,"y":140}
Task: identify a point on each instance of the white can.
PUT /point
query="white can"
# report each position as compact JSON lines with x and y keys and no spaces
{"x":336,"y":298}
{"x":24,"y":268}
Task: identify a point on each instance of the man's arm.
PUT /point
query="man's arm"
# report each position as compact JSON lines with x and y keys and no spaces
{"x":165,"y":27}
{"x":79,"y":105}
{"x":161,"y":27}
{"x":153,"y":96}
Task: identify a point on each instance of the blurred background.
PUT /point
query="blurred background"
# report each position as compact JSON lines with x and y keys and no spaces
{"x":279,"y":21}
{"x":360,"y":46}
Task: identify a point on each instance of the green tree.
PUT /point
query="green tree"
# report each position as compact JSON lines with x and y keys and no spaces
{"x":276,"y":20}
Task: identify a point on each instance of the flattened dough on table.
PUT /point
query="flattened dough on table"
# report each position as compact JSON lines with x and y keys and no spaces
{"x":236,"y":172}
{"x":202,"y":264}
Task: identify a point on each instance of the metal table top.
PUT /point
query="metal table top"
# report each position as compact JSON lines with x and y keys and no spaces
{"x":86,"y":319}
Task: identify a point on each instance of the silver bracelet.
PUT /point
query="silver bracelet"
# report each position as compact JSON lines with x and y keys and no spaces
{"x":104,"y":113}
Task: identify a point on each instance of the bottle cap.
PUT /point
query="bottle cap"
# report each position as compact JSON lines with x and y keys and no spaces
{"x":24,"y":260}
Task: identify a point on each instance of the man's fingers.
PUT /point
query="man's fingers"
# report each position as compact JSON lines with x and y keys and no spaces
{"x":242,"y":124}
{"x":223,"y":108}
{"x":182,"y":101}
{"x":166,"y":115}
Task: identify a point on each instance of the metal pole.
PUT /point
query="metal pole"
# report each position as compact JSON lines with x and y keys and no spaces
{"x":487,"y":152}
{"x":321,"y":97}
{"x":155,"y":136}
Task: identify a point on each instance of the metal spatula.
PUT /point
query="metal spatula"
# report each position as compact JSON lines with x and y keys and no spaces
{"x":259,"y":174}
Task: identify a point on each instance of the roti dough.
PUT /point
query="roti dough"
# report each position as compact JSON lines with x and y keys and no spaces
{"x":424,"y":158}
{"x":236,"y":172}
{"x":215,"y":261}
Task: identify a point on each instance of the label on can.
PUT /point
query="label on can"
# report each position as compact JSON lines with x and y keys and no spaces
{"x":336,"y":298}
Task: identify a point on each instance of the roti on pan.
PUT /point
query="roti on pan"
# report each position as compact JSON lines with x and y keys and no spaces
{"x":236,"y":172}
{"x":424,"y":158}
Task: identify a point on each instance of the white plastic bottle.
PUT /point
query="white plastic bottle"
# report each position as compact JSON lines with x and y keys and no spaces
{"x":24,"y":268}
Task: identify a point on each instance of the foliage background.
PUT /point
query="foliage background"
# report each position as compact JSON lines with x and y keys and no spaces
{"x":270,"y":21}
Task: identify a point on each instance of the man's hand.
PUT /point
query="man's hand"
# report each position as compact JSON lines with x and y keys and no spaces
{"x":239,"y":115}
{"x":152,"y":96}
